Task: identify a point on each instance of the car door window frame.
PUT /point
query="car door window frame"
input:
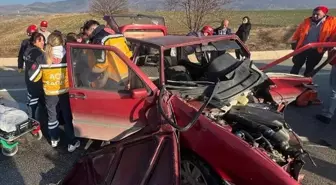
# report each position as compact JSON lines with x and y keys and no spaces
{"x":149,"y":85}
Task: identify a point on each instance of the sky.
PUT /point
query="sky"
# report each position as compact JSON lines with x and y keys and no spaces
{"x":7,"y":2}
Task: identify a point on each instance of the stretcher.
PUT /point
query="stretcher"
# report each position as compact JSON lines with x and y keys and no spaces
{"x":15,"y":123}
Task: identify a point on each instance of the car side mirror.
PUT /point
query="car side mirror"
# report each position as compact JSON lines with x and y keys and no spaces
{"x":139,"y":93}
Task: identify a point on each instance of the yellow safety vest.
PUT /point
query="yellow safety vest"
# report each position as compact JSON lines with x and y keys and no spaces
{"x":55,"y":79}
{"x":109,"y":61}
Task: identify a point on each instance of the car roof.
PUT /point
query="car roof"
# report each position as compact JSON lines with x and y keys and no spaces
{"x":171,"y":41}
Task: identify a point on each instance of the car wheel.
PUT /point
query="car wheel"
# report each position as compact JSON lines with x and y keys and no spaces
{"x":195,"y":172}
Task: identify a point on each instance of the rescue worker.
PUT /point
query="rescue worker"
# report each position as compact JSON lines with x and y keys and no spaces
{"x":43,"y":29}
{"x":188,"y":50}
{"x":112,"y":70}
{"x":34,"y":54}
{"x":317,"y":28}
{"x":206,"y":31}
{"x":223,"y":29}
{"x":328,"y":111}
{"x":52,"y":70}
{"x":24,"y":45}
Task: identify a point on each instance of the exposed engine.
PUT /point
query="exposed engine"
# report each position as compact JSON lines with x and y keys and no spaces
{"x":230,"y":100}
{"x":258,"y":125}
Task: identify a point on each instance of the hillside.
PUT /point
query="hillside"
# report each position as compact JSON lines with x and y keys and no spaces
{"x":62,"y":6}
{"x":67,"y":6}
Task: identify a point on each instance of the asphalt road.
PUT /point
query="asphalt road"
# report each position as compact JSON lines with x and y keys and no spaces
{"x":37,"y":163}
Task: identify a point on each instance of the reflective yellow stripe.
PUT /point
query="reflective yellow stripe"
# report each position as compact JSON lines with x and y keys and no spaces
{"x":35,"y":74}
{"x":53,"y":93}
{"x":54,"y":65}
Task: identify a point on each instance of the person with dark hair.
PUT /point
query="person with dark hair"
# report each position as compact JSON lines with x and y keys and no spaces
{"x":34,"y":54}
{"x":90,"y":26}
{"x":71,"y":37}
{"x":80,"y":38}
{"x":243,"y":33}
{"x":24,"y":45}
{"x":57,"y":31}
{"x":111,"y":67}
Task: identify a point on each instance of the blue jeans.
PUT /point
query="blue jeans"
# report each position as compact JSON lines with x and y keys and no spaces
{"x":330,"y":105}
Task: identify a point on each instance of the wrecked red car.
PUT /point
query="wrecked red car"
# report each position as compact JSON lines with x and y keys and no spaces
{"x":186,"y":115}
{"x":283,"y":88}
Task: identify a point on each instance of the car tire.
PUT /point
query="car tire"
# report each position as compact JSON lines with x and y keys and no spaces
{"x":194,"y":171}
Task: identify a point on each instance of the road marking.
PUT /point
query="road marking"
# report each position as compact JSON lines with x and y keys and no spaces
{"x":316,"y":145}
{"x":9,"y":90}
{"x":7,"y":69}
{"x":322,"y":73}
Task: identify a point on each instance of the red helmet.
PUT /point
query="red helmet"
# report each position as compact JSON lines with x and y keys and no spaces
{"x":208,"y":29}
{"x":31,"y":29}
{"x":44,"y":24}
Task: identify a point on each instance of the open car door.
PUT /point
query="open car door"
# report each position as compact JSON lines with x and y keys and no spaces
{"x":147,"y":155}
{"x":104,"y":107}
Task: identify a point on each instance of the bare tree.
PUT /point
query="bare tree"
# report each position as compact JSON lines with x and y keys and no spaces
{"x":196,"y":12}
{"x":108,"y":7}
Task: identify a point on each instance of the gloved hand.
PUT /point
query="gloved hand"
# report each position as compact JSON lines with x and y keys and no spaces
{"x":20,"y":70}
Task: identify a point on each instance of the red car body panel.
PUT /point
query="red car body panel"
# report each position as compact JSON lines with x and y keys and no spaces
{"x":228,"y":156}
{"x":90,"y":114}
{"x":289,"y":87}
{"x":138,"y":157}
{"x":142,"y":158}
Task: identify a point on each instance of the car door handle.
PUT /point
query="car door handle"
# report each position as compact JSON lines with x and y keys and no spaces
{"x":78,"y":95}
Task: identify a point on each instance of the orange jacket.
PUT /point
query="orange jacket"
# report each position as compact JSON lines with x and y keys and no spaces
{"x":328,"y":28}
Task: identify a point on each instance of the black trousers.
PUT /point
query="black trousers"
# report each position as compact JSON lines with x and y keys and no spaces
{"x":239,"y":51}
{"x":56,"y":105}
{"x":309,"y":57}
{"x":35,"y":96}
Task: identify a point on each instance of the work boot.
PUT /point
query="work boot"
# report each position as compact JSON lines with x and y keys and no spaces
{"x":323,"y":119}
